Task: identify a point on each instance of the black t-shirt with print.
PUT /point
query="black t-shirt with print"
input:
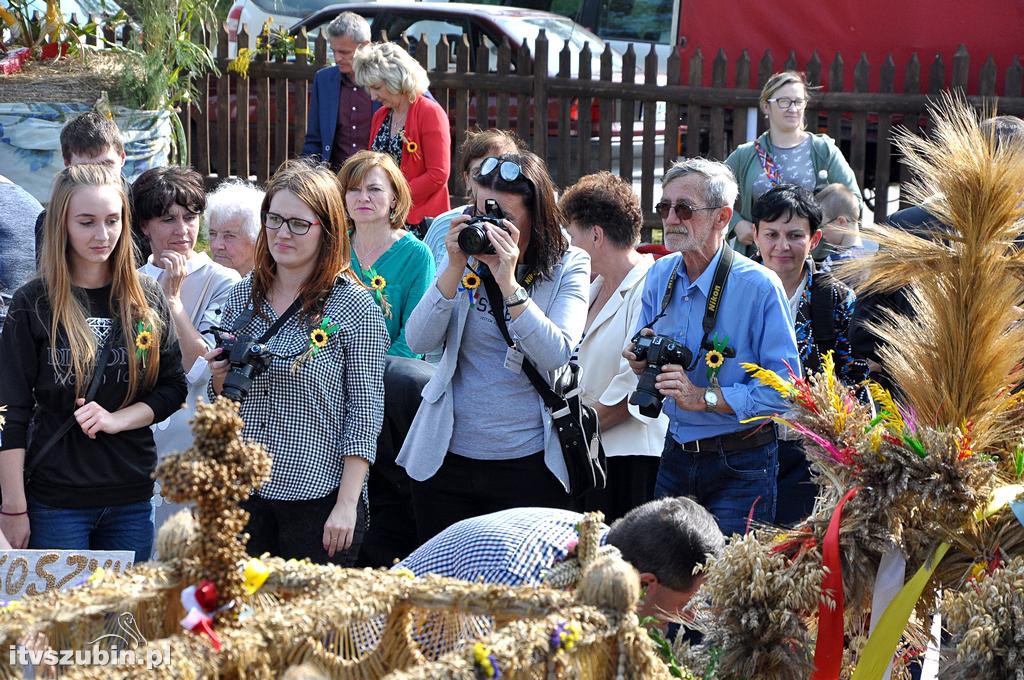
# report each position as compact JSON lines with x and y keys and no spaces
{"x":78,"y":471}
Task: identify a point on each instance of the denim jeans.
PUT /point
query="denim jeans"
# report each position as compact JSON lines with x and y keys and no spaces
{"x":727,"y":484}
{"x":111,"y":527}
{"x":797,"y":492}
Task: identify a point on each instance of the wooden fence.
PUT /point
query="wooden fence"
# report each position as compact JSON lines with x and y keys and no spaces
{"x":586,"y":121}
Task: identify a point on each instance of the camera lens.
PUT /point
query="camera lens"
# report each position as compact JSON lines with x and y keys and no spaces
{"x":473,"y":240}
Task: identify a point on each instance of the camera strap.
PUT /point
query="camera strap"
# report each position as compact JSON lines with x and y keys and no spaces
{"x":714,"y":302}
{"x":497,"y":305}
{"x":246,"y":316}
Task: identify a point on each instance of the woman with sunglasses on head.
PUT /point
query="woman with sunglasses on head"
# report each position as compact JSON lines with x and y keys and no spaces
{"x":390,"y":260}
{"x":785,"y":154}
{"x":318,"y":407}
{"x":482,"y":439}
{"x":91,"y":361}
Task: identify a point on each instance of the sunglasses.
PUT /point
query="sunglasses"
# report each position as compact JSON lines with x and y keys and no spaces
{"x":296,"y":226}
{"x":509,"y":171}
{"x":683,"y":211}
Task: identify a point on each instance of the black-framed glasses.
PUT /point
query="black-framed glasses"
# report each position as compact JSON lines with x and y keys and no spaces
{"x":786,"y":103}
{"x":509,"y":171}
{"x":296,"y":226}
{"x":683,"y":211}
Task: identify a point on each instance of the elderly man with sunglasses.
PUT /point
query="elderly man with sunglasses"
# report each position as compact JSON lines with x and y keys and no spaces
{"x":725,"y":310}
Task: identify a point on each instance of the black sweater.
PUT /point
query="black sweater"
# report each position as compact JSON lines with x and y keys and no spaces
{"x":79,"y":472}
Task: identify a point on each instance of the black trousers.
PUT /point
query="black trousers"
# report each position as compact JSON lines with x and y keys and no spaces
{"x":295,"y":529}
{"x":465,"y":487}
{"x":630,"y":483}
{"x":796,"y":492}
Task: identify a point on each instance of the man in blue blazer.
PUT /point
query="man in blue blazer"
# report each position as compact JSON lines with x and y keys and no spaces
{"x":338,"y":124}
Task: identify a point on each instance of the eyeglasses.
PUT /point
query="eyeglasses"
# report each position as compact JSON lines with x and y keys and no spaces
{"x":786,"y":103}
{"x":296,"y":226}
{"x":683,"y":211}
{"x":509,"y":171}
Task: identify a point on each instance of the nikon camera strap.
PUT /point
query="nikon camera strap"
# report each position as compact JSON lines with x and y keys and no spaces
{"x":714,"y":295}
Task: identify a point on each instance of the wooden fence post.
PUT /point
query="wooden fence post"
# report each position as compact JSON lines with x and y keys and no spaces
{"x":564,"y":149}
{"x":242,"y":118}
{"x":301,"y":85}
{"x":859,"y":131}
{"x":716,"y":115}
{"x":883,"y":147}
{"x":585,"y":123}
{"x":607,"y":109}
{"x":540,"y":95}
{"x":649,"y":148}
{"x":835,"y":84}
{"x":223,"y":108}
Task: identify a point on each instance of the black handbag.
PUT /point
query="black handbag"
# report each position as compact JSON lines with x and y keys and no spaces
{"x":575,"y":423}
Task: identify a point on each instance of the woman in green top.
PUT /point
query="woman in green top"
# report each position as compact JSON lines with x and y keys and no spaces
{"x":785,"y":154}
{"x":388,"y":259}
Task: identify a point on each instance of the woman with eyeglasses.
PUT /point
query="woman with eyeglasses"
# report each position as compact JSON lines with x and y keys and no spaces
{"x":785,"y":154}
{"x":390,"y":260}
{"x":318,"y":407}
{"x":482,"y":439}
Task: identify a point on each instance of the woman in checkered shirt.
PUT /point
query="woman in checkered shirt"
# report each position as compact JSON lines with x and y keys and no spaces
{"x":318,"y":407}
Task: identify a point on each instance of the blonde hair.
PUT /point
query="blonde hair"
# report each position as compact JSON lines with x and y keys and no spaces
{"x":779,"y":81}
{"x":128,"y":298}
{"x":359,"y":164}
{"x":389,"y":65}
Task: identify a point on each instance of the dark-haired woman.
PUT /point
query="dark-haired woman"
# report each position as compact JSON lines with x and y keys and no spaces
{"x":482,"y":440}
{"x":318,"y":407}
{"x":787,"y":223}
{"x":167,"y":203}
{"x":90,"y":360}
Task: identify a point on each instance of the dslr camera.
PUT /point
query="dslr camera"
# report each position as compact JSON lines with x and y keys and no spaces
{"x":657,"y":351}
{"x":473,"y":237}
{"x":247,"y":359}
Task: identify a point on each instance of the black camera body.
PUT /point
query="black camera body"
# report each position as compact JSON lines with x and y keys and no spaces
{"x":657,"y":351}
{"x":473,"y":238}
{"x":247,"y":359}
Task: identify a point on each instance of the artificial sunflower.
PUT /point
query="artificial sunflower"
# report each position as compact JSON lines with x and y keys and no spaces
{"x":318,"y":338}
{"x":411,"y":147}
{"x":378,"y":282}
{"x":714,"y":359}
{"x":471,"y":281}
{"x":143,"y":341}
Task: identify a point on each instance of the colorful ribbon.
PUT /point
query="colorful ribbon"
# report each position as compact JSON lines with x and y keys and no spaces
{"x":828,"y":652}
{"x":771,"y":169}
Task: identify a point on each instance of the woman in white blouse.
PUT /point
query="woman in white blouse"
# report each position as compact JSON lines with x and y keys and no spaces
{"x":167,"y":204}
{"x":604,"y":219}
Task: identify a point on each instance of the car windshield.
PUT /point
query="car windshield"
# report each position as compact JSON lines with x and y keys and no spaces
{"x":292,"y":8}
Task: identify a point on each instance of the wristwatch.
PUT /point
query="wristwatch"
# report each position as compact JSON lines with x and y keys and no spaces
{"x":710,"y":399}
{"x":517,"y":298}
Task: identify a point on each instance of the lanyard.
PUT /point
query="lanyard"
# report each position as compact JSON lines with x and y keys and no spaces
{"x":714,"y":297}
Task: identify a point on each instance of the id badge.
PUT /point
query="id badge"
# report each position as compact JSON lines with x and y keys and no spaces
{"x":514,"y":360}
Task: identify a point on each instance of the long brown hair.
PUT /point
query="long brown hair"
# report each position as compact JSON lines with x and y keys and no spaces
{"x":128,"y":299}
{"x":315,"y":185}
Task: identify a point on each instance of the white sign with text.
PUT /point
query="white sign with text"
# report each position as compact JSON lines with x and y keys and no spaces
{"x":30,"y":572}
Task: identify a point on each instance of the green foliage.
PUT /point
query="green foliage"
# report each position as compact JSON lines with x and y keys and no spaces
{"x":166,"y":54}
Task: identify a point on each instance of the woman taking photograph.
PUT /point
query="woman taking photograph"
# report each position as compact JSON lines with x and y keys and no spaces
{"x":387,"y":258}
{"x":90,"y":358}
{"x":482,"y":439}
{"x":318,"y":407}
{"x":785,"y":154}
{"x":409,"y":126}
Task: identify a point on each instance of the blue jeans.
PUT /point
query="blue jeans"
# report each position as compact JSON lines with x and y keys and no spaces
{"x":112,"y":527}
{"x":727,"y":484}
{"x":797,"y":492}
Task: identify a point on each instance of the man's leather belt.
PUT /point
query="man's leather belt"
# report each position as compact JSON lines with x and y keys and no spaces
{"x":734,"y":441}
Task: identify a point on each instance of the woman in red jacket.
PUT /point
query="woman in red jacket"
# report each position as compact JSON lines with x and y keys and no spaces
{"x":409,"y":126}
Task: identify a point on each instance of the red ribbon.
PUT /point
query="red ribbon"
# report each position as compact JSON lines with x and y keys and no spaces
{"x":828,"y":652}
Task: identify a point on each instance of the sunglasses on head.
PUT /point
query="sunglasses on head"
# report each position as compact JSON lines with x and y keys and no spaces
{"x":509,"y":171}
{"x":683,"y":211}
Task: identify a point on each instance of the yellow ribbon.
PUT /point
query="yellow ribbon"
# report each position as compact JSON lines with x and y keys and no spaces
{"x":256,"y":573}
{"x":883,"y":641}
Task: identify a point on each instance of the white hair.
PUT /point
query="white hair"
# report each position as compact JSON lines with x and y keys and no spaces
{"x":720,"y":187}
{"x":235,"y":199}
{"x":349,"y":25}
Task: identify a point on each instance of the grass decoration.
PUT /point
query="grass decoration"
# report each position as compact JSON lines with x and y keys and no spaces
{"x":309,"y":620}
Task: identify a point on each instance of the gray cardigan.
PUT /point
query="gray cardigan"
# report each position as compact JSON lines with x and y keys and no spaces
{"x":547,"y":332}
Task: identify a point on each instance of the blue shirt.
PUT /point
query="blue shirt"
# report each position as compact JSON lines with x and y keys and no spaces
{"x":434,"y":238}
{"x":755,"y":317}
{"x":511,"y":547}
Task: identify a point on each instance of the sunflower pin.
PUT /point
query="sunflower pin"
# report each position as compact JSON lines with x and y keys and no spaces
{"x":318,"y":339}
{"x":143,"y":341}
{"x":715,"y":357}
{"x":470,"y":282}
{"x":379,"y":285}
{"x":411,"y":147}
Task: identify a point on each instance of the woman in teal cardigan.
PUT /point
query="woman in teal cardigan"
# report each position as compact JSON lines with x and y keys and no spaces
{"x":390,"y":260}
{"x":785,"y":154}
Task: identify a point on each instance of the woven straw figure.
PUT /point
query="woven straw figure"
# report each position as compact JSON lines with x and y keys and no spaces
{"x":218,"y":472}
